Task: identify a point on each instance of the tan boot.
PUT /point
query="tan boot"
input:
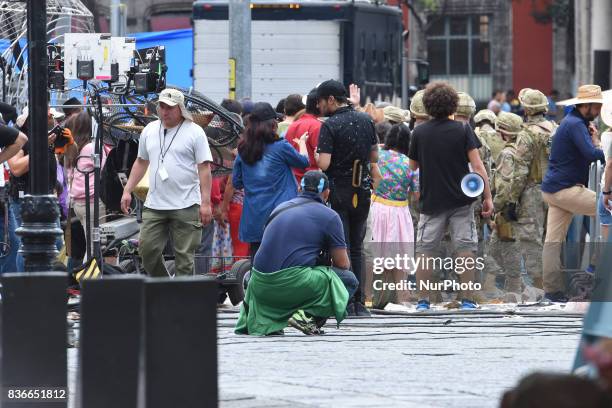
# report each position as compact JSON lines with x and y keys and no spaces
{"x":489,"y":289}
{"x":538,"y":283}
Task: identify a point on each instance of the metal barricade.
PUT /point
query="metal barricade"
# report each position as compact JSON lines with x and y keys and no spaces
{"x":595,"y":174}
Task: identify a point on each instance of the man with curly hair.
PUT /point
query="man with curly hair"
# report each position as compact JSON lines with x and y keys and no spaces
{"x":444,"y":150}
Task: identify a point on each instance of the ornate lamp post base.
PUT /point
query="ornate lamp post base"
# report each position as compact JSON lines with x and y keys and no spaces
{"x":39,"y":231}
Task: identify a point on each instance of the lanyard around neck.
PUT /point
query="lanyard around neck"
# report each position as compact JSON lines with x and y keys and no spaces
{"x":162,"y":141}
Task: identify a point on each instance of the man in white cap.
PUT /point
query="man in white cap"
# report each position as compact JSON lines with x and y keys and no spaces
{"x":574,"y":147}
{"x":176,"y":153}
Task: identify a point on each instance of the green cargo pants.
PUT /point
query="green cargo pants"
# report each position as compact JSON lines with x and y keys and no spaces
{"x":185,"y":228}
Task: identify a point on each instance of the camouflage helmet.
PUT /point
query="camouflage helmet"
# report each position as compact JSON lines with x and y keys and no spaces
{"x":466,"y":105}
{"x":533,"y":100}
{"x":417,"y":108}
{"x":522,"y":93}
{"x":485,"y":114}
{"x":509,"y":123}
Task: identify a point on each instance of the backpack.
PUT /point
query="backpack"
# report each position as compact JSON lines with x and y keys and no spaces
{"x":116,"y":172}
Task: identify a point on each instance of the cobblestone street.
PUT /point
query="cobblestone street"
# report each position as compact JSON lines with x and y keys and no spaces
{"x":442,"y":359}
{"x":437,"y":360}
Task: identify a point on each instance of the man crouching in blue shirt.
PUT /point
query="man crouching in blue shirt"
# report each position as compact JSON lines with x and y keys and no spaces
{"x":574,"y":147}
{"x":288,"y":284}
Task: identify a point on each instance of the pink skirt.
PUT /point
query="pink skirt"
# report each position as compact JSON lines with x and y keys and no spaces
{"x":391,"y":224}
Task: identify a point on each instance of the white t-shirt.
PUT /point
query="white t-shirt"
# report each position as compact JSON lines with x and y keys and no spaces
{"x":173,"y":173}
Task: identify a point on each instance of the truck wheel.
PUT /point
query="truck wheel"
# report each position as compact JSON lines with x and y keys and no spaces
{"x":242,"y":270}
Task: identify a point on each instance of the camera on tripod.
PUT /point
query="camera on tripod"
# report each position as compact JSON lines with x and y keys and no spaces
{"x":149,"y":69}
{"x":87,"y":56}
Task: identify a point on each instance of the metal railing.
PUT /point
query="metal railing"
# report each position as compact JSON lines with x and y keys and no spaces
{"x":595,"y":174}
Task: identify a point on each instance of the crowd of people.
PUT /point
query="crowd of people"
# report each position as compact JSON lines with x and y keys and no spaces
{"x":394,"y":180}
{"x":67,"y":144}
{"x":321,"y":185}
{"x":385,"y":180}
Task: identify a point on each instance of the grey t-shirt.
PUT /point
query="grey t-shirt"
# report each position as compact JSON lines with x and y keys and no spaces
{"x":184,"y":147}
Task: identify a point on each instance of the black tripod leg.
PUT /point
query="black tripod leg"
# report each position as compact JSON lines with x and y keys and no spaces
{"x":87,"y":217}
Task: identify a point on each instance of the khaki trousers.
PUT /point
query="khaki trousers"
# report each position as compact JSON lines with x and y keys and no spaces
{"x":183,"y":226}
{"x":562,"y":206}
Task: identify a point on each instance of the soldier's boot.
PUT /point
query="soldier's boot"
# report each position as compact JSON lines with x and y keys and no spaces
{"x":533,"y":292}
{"x":490,"y":290}
{"x":538,"y":283}
{"x":514,"y":284}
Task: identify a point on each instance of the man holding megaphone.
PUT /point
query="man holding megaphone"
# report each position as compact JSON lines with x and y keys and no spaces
{"x":443,"y":150}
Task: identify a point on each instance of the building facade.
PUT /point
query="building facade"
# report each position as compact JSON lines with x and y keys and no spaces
{"x":145,"y":15}
{"x":593,"y":42}
{"x":477,"y":45}
{"x":483,"y":45}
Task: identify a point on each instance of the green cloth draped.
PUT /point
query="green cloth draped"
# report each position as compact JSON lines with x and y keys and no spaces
{"x":272,"y":298}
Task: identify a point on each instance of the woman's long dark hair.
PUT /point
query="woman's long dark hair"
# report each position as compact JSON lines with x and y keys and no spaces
{"x":80,"y":126}
{"x":398,"y":138}
{"x":256,"y":136}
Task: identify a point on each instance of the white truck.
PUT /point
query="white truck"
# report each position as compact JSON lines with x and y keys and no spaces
{"x":297,"y":45}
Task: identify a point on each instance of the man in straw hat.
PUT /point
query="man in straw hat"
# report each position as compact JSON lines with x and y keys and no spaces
{"x":574,"y":147}
{"x":175,"y":152}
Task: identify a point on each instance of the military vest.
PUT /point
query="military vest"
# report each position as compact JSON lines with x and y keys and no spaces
{"x":541,"y":133}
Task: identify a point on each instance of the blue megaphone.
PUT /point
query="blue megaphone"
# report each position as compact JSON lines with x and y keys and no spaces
{"x":472,"y":185}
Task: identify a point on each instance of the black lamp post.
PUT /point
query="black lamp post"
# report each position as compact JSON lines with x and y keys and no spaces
{"x":34,"y":303}
{"x":39,"y":210}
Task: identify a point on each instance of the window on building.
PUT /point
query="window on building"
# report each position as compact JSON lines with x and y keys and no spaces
{"x":459,"y":45}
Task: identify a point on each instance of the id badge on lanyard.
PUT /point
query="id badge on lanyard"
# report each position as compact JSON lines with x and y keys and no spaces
{"x":163,"y":173}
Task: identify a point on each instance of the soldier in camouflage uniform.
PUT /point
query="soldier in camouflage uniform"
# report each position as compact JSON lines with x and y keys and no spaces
{"x":488,"y":133}
{"x":535,"y":105}
{"x":505,"y":254}
{"x":417,"y":109}
{"x":485,"y":130}
{"x":535,"y":150}
{"x":418,"y":115}
{"x":465,"y":109}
